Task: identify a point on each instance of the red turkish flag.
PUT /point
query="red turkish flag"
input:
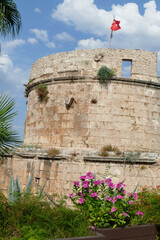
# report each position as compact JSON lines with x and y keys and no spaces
{"x":115,"y":25}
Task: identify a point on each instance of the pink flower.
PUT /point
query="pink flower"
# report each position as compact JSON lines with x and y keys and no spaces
{"x":124,"y":192}
{"x":85,"y":182}
{"x":81,"y":200}
{"x":119,"y":196}
{"x":114,"y":200}
{"x":108,"y":180}
{"x":139,"y":213}
{"x":94,"y":195}
{"x":113,"y":209}
{"x":90,"y":190}
{"x":85,"y":185}
{"x":98,"y":182}
{"x":125,"y":214}
{"x":130,"y":202}
{"x":111,"y":185}
{"x":91,"y":177}
{"x":102,"y":181}
{"x":88,"y":173}
{"x":120,"y":185}
{"x":82,"y":177}
{"x":71,"y":195}
{"x":109,"y":198}
{"x":135,"y":196}
{"x":76,"y":184}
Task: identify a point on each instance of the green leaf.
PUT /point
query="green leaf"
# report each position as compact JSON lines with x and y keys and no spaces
{"x":50,"y":199}
{"x":28,"y":188}
{"x":8,"y":137}
{"x":42,"y":188}
{"x":18,"y":188}
{"x":10,"y":18}
{"x":11,"y":189}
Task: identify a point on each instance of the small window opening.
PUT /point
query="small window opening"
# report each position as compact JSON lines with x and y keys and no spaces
{"x":126,"y":68}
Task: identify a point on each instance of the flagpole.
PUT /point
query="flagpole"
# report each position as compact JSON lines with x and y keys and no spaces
{"x":110,"y":38}
{"x":111,"y":34}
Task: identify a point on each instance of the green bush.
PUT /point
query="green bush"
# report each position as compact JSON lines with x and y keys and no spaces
{"x":149,"y":203}
{"x":105,"y":73}
{"x":35,"y":219}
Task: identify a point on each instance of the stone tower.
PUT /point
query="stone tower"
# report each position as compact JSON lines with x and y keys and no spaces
{"x":81,"y":113}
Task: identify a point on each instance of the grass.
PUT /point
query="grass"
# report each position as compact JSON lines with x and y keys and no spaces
{"x":34,"y":219}
{"x":52,"y":152}
{"x":109,"y":148}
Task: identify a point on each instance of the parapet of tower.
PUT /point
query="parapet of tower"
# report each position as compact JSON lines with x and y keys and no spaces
{"x":82,"y":113}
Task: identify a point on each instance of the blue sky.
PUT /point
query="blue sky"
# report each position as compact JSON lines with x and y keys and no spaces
{"x":54,"y":26}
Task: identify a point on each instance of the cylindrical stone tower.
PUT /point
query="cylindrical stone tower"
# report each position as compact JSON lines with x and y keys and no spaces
{"x":81,"y":113}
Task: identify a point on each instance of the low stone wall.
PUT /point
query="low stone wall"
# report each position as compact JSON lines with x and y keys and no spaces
{"x":62,"y":170}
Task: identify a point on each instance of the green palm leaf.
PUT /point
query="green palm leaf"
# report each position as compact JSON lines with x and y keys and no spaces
{"x":8,"y":137}
{"x":10,"y":18}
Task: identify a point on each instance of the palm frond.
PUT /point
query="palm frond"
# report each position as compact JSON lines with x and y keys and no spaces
{"x":10,"y":18}
{"x":8,"y":137}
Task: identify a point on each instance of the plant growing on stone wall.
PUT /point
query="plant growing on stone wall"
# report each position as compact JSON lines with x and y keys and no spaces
{"x":52,"y":152}
{"x":30,"y":80}
{"x":109,"y":148}
{"x":42,"y":92}
{"x":105,"y":74}
{"x":130,"y":157}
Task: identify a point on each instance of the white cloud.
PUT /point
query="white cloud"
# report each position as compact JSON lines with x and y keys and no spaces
{"x":37,"y":10}
{"x":41,"y":34}
{"x":91,"y":44}
{"x":14,"y":76}
{"x":50,"y":45}
{"x":64,"y":36}
{"x":5,"y":62}
{"x":8,"y":46}
{"x":137,"y":31}
{"x":32,"y":40}
{"x":83,"y":15}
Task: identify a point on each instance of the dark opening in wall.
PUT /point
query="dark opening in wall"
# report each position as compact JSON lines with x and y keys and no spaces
{"x":126,"y":68}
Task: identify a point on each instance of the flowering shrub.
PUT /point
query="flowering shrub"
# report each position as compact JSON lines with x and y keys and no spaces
{"x":149,"y":203}
{"x":104,"y":203}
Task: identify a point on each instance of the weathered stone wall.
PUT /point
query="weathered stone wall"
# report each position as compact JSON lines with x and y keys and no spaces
{"x":63,"y":170}
{"x":87,"y":63}
{"x":126,"y":114}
